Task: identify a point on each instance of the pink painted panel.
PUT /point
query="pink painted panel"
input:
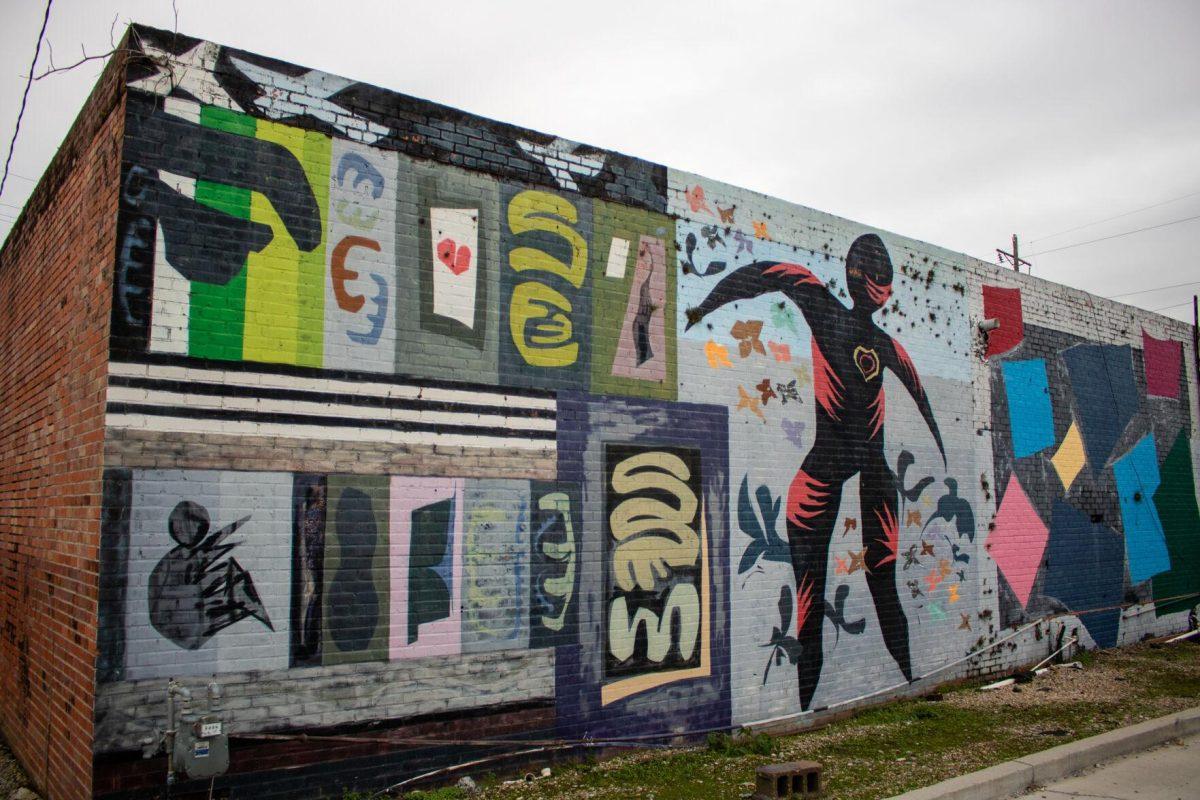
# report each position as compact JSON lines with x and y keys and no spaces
{"x":441,"y":637}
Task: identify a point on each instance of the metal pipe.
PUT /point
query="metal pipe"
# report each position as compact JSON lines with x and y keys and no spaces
{"x":1045,"y":660}
{"x":169,"y":735}
{"x":174,"y":689}
{"x":214,"y":697}
{"x":1009,"y":681}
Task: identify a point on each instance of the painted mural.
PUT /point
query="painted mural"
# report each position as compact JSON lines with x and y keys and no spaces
{"x":847,"y":439}
{"x":706,"y":457}
{"x":1086,"y":435}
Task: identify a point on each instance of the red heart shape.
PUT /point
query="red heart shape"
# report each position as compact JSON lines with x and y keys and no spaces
{"x":456,"y":258}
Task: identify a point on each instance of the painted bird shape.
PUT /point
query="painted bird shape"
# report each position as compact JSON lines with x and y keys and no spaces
{"x":905,"y":461}
{"x":953,"y":508}
{"x":782,"y":644}
{"x":957,"y":552}
{"x":836,"y":611}
{"x":765,"y":540}
{"x":689,"y":266}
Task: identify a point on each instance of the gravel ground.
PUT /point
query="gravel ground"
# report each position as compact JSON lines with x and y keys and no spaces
{"x":12,"y":777}
{"x":1099,"y":682}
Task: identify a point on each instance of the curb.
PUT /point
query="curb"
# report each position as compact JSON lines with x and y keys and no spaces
{"x":1038,"y":769}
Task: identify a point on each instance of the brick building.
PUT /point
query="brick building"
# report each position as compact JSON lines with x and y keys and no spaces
{"x":400,"y":423}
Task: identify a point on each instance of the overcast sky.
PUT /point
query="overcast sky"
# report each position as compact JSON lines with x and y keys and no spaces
{"x":957,"y":123}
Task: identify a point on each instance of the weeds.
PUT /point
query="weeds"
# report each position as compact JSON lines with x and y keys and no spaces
{"x":744,"y":743}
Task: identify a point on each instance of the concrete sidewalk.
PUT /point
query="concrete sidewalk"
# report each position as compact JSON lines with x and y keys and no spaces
{"x":1045,"y":768}
{"x":1170,"y":771}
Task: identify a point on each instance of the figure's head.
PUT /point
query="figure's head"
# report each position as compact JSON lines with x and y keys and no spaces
{"x":188,"y":523}
{"x":869,"y":273}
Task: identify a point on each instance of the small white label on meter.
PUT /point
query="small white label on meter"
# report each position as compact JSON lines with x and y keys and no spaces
{"x":200,"y":750}
{"x":210,"y":729}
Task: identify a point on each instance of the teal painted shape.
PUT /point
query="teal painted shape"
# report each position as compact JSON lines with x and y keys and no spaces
{"x":1029,"y":412}
{"x":1137,"y":478}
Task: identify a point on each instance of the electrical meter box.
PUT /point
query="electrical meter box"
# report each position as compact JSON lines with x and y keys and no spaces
{"x":201,"y":746}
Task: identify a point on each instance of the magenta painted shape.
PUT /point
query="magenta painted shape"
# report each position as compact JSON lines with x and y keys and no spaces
{"x":1018,"y":540}
{"x":443,"y":637}
{"x":1162,"y":359}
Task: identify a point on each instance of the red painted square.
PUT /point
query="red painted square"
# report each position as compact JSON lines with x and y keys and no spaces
{"x":1004,"y":305}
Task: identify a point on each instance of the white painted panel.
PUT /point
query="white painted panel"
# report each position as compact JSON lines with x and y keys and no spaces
{"x":455,"y":239}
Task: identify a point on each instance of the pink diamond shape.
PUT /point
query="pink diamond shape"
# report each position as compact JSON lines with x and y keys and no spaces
{"x":1018,"y":541}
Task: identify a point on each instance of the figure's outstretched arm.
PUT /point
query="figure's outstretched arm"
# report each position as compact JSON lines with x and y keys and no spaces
{"x":901,"y":364}
{"x":795,"y":281}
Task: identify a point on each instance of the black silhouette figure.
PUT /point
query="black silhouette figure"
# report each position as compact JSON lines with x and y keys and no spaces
{"x":194,"y":594}
{"x":953,"y":508}
{"x":849,"y":354}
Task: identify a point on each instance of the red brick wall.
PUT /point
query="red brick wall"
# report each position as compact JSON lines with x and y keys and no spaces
{"x":55,"y":289}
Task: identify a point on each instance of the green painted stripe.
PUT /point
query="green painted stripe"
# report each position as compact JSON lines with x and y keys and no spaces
{"x":218,"y":313}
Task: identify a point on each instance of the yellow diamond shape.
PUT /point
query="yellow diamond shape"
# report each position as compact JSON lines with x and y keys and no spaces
{"x":1069,"y":459}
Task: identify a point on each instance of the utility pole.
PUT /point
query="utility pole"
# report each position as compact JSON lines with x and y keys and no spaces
{"x":1014,"y":257}
{"x":1196,"y":337}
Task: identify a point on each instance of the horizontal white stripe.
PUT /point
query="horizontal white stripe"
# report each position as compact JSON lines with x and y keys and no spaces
{"x":399,"y":391}
{"x":149,"y":422}
{"x":159,"y":397}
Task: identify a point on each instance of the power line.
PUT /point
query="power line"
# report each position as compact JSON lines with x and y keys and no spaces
{"x":25,"y":96}
{"x":1176,"y":305}
{"x":1155,"y":289}
{"x":1118,"y":216}
{"x":1115,"y":236}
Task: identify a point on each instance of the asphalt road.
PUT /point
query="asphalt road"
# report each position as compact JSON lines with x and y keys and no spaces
{"x":1168,"y":772}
